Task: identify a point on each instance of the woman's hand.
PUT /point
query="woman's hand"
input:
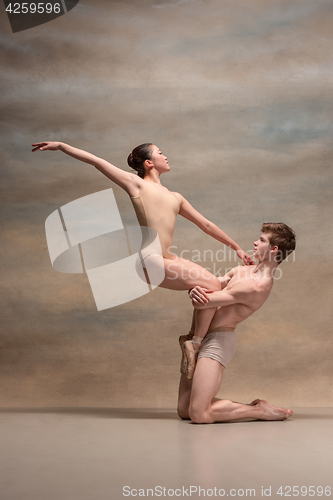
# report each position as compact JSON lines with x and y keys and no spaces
{"x":199,"y":295}
{"x":46,"y":146}
{"x":132,"y":184}
{"x":245,"y":257}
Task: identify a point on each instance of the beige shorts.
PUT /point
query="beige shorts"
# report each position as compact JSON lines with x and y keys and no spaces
{"x":219,"y":345}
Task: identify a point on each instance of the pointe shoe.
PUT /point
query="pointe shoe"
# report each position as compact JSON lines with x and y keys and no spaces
{"x":191,"y":357}
{"x":182,"y":340}
{"x":183,"y":362}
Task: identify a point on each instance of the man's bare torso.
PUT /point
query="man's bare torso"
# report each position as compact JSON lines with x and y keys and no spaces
{"x":254,"y":288}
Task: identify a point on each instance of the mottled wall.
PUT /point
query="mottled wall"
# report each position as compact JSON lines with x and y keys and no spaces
{"x":238,"y":94}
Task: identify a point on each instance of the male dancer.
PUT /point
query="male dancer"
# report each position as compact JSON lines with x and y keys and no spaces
{"x":244,"y":290}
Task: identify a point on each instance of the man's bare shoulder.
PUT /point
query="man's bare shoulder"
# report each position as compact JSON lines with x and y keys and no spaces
{"x":240,"y":274}
{"x":250,"y":287}
{"x":261,"y":281}
{"x":243,"y":270}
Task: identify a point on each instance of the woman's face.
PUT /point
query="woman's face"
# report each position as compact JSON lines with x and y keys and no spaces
{"x":160,"y":161}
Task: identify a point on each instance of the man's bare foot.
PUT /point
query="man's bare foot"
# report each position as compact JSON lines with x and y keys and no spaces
{"x":270,"y":412}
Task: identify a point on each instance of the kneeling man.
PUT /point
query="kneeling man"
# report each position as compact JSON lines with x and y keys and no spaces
{"x":244,"y":290}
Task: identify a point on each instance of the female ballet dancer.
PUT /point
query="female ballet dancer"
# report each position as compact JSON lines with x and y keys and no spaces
{"x":157,"y":207}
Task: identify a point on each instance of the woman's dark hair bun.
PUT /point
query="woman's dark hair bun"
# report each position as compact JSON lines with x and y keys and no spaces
{"x":138,"y":156}
{"x":130,"y":160}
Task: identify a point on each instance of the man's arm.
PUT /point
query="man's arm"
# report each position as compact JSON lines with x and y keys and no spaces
{"x":242,"y":293}
{"x":200,"y":295}
{"x":224,"y":280}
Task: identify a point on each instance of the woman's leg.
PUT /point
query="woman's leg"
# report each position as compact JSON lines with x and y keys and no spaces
{"x":182,"y":274}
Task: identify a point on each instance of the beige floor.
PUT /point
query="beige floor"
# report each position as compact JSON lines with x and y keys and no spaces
{"x":91,"y":454}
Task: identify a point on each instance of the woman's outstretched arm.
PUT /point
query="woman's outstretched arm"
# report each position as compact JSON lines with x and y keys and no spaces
{"x":187,"y":211}
{"x":131,"y":183}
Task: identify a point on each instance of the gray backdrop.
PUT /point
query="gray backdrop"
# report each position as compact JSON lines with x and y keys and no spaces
{"x":238,"y":94}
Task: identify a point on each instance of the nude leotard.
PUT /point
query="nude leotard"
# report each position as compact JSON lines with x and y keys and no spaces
{"x":158,"y":209}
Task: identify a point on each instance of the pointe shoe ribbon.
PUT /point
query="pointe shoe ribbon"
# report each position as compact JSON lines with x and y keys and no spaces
{"x":191,"y":357}
{"x":182,"y":340}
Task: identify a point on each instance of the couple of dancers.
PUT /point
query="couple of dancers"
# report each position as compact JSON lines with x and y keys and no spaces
{"x":220,"y":303}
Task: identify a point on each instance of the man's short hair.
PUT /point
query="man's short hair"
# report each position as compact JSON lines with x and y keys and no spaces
{"x":281,"y":236}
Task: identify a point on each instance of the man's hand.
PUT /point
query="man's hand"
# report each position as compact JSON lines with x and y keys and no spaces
{"x":199,"y":295}
{"x":245,"y":257}
{"x":46,"y":145}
